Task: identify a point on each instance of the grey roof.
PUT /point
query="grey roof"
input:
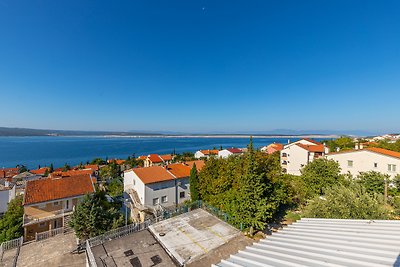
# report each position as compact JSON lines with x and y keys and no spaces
{"x":325,"y":242}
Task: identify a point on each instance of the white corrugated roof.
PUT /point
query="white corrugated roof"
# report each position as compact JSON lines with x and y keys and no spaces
{"x":325,"y":242}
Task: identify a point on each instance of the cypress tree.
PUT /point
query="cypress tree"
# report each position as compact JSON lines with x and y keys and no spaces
{"x":194,"y":182}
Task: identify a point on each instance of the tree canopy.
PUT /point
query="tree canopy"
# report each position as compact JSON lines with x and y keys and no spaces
{"x":11,"y":222}
{"x":94,"y":216}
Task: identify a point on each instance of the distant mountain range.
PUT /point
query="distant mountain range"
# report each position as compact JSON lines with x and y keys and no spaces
{"x":7,"y":131}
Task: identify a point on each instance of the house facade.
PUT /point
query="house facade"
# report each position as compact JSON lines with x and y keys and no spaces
{"x":367,"y":159}
{"x":224,"y":153}
{"x":155,"y":187}
{"x":296,"y":155}
{"x":205,"y":153}
{"x":7,"y":193}
{"x":157,"y":160}
{"x":48,"y":203}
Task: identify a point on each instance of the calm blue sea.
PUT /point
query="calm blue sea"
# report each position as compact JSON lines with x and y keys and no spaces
{"x":34,"y":151}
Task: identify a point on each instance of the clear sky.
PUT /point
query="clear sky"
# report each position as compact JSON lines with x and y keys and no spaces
{"x":200,"y":65}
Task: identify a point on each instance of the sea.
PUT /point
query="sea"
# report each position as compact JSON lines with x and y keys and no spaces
{"x":72,"y":150}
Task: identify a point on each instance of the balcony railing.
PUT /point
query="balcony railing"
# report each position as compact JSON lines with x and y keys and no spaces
{"x":45,"y":216}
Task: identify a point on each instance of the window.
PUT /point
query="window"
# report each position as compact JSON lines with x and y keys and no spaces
{"x":42,"y":224}
{"x":164,"y":199}
{"x":284,"y":155}
{"x":391,"y":167}
{"x":156,"y":201}
{"x":375,"y":165}
{"x":349,"y":163}
{"x":181,"y":194}
{"x":56,"y":203}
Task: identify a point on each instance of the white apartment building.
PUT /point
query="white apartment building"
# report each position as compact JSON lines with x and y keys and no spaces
{"x":296,"y":155}
{"x":367,"y":159}
{"x":229,"y":152}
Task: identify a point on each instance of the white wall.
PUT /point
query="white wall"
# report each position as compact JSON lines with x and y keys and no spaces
{"x":297,"y":158}
{"x":147,"y":192}
{"x":363,"y":161}
{"x":5,"y":197}
{"x":199,"y":154}
{"x":224,"y":153}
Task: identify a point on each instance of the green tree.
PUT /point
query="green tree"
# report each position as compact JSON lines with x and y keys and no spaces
{"x":11,"y":222}
{"x":347,"y":202}
{"x":194,"y":181}
{"x":22,"y":168}
{"x":373,"y":182}
{"x":396,"y":182}
{"x":98,"y":161}
{"x":320,"y":174}
{"x":110,"y":171}
{"x":46,"y":173}
{"x":341,"y":143}
{"x":115,"y":187}
{"x":94,"y":216}
{"x":253,"y":208}
{"x":51,"y":168}
{"x":66,"y":167}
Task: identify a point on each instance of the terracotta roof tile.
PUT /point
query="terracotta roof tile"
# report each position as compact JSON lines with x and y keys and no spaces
{"x":57,"y":188}
{"x":199,"y":164}
{"x":312,"y":148}
{"x":153,"y":174}
{"x":72,"y":173}
{"x":155,"y":158}
{"x":235,"y":150}
{"x":167,"y":157}
{"x":40,"y":171}
{"x":179,"y":170}
{"x":384,"y":151}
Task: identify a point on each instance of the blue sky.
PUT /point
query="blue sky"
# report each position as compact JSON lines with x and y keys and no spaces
{"x":200,"y":65}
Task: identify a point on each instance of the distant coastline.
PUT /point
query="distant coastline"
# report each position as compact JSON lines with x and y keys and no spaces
{"x":15,"y":132}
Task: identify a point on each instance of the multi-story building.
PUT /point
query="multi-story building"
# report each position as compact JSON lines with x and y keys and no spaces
{"x":156,"y":186}
{"x":367,"y":159}
{"x":48,"y":203}
{"x":296,"y":155}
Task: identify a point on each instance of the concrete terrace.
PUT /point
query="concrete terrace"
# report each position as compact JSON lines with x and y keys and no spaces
{"x":193,"y":235}
{"x":137,"y":249}
{"x":54,"y":251}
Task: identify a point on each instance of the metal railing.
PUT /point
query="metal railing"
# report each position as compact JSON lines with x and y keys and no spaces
{"x":7,"y":245}
{"x":47,"y":234}
{"x":118,"y":232}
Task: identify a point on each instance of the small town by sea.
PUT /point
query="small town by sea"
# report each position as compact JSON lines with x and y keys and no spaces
{"x":59,"y":150}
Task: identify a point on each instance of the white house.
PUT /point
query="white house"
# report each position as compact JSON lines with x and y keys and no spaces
{"x":296,"y":155}
{"x":224,"y":153}
{"x":155,"y":186}
{"x":368,"y":159}
{"x":205,"y":153}
{"x":7,"y":193}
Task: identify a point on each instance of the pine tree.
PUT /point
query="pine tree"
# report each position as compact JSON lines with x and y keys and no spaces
{"x":252,"y":204}
{"x":51,"y":168}
{"x":194,"y":182}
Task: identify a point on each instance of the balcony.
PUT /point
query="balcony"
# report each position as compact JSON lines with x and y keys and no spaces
{"x":33,"y":216}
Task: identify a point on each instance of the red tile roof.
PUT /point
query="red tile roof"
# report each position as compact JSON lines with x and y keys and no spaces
{"x":57,"y":188}
{"x":9,"y":172}
{"x":142,"y":157}
{"x":72,"y":173}
{"x":384,"y":151}
{"x":312,"y":148}
{"x":167,"y":157}
{"x":199,"y":164}
{"x":235,"y":150}
{"x":179,"y":170}
{"x":312,"y":141}
{"x":93,"y":167}
{"x":40,"y":171}
{"x":155,"y":158}
{"x":153,"y":174}
{"x":209,"y":152}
